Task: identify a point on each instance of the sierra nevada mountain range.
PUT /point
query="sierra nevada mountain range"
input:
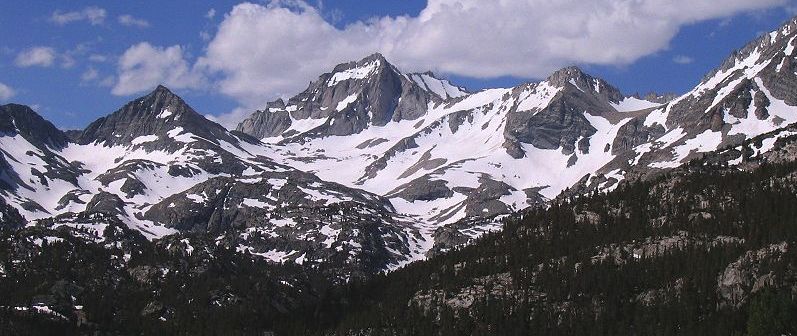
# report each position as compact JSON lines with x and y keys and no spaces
{"x":371,"y":168}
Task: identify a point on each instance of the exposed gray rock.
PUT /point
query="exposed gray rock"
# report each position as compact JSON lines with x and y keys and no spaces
{"x":106,"y":203}
{"x":266,"y":124}
{"x":296,"y":214}
{"x":155,"y":114}
{"x":351,"y":98}
{"x":22,"y":120}
{"x":422,"y":189}
{"x":635,"y":133}
{"x":561,"y":123}
{"x":751,"y":273}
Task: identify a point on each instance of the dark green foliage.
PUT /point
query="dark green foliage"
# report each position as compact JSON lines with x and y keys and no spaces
{"x":772,"y":313}
{"x":161,"y":289}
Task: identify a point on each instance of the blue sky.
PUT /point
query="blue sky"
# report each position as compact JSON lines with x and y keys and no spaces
{"x":74,"y":75}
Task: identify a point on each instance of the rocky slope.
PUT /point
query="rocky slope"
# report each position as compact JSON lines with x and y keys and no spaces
{"x":161,"y":168}
{"x":750,"y":94}
{"x":470,"y":155}
{"x":355,"y":96}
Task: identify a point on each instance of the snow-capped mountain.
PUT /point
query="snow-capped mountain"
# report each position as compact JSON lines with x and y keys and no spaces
{"x":162,"y":168}
{"x":371,"y":168}
{"x":468,"y":155}
{"x":750,"y":94}
{"x":500,"y":150}
{"x":353,"y":97}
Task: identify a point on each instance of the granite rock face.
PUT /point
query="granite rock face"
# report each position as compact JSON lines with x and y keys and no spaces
{"x":20,"y":119}
{"x":294,"y":216}
{"x":354,"y":96}
{"x":160,"y":114}
{"x":561,"y":122}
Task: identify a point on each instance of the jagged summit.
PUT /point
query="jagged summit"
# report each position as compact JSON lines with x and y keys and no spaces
{"x":22,"y":120}
{"x":160,"y":113}
{"x":767,"y":45}
{"x":375,"y":58}
{"x":566,"y":73}
{"x":351,"y":98}
{"x":585,"y":83}
{"x":751,"y":90}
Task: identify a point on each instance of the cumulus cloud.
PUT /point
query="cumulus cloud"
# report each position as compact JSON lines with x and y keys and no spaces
{"x":144,"y":66}
{"x":263,"y":51}
{"x":681,"y":59}
{"x":6,"y":92}
{"x":211,"y":14}
{"x":36,"y":56}
{"x":131,"y":21}
{"x":264,"y":34}
{"x":94,"y":15}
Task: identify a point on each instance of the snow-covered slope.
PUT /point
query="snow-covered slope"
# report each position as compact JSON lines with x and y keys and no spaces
{"x":751,"y":93}
{"x":479,"y":154}
{"x":161,"y":168}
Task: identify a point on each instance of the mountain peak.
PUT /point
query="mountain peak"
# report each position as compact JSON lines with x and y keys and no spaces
{"x":365,"y":66}
{"x":765,"y":47}
{"x":354,"y":95}
{"x":564,"y":75}
{"x":373,"y":57}
{"x":573,"y":75}
{"x":161,"y":89}
{"x":156,"y":113}
{"x":22,"y":120}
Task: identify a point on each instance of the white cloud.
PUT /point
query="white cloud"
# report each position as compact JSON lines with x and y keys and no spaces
{"x":263,"y":51}
{"x":36,"y":56}
{"x":252,"y":43}
{"x":6,"y":92}
{"x":94,"y":15}
{"x":131,"y":21}
{"x":211,"y":14}
{"x":89,"y":75}
{"x":143,"y":66}
{"x":107,"y":82}
{"x":681,"y":59}
{"x":230,"y":120}
{"x":98,"y":58}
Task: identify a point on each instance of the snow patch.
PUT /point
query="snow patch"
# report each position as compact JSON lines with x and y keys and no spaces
{"x":164,"y":114}
{"x":356,"y":73}
{"x":345,"y":102}
{"x":144,"y":139}
{"x":633,"y":104}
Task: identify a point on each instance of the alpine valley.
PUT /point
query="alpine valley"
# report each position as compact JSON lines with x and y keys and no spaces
{"x":379,"y":202}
